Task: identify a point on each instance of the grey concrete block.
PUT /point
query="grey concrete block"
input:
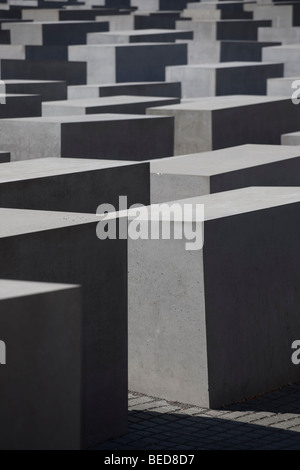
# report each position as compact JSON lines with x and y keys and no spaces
{"x":128,"y":62}
{"x":281,"y":14}
{"x":292,"y":138}
{"x":57,"y":184}
{"x":284,"y":35}
{"x":74,"y":73}
{"x":217,"y":11}
{"x":159,"y":19}
{"x":63,"y":248}
{"x":224,"y":170}
{"x":46,"y":89}
{"x":210,"y":30}
{"x":189,"y":345}
{"x":227,"y":78}
{"x":16,"y":106}
{"x":155,"y":5}
{"x":40,"y":395}
{"x":118,"y":22}
{"x":138,"y":36}
{"x":281,"y":86}
{"x":52,"y":33}
{"x":218,"y":122}
{"x":226,"y":51}
{"x":70,"y":14}
{"x":100,"y":136}
{"x":165,"y":89}
{"x":111,"y":104}
{"x":287,"y":54}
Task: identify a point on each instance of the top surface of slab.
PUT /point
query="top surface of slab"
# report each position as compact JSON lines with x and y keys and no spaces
{"x":77,"y":119}
{"x":221,"y":102}
{"x":12,"y":289}
{"x":44,"y":167}
{"x":20,"y":221}
{"x":224,"y":65}
{"x":106,"y":101}
{"x":219,"y":205}
{"x":224,"y":160}
{"x":141,"y":32}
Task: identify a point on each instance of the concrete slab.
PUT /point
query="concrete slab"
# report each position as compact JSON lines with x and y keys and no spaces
{"x":224,"y":170}
{"x":100,"y":267}
{"x":113,"y":104}
{"x":128,"y":62}
{"x":288,"y":54}
{"x":52,"y":33}
{"x":158,"y":19}
{"x":74,"y":73}
{"x":210,"y":30}
{"x":165,"y":89}
{"x":284,"y":35}
{"x":281,"y":86}
{"x":57,"y":184}
{"x":100,"y":136}
{"x":284,"y":14}
{"x":138,"y":36}
{"x":226,"y":51}
{"x":227,"y":78}
{"x":218,"y":122}
{"x":63,"y":14}
{"x":189,"y":345}
{"x":46,"y":89}
{"x":4,"y":157}
{"x":15,"y":106}
{"x":40,"y":394}
{"x":292,"y":138}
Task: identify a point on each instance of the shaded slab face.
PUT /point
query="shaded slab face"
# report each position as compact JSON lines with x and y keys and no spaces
{"x":100,"y":136}
{"x":63,"y":247}
{"x":41,"y":382}
{"x":58,"y":184}
{"x":188,"y":344}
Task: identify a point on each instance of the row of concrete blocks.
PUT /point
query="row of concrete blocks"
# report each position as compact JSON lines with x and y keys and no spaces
{"x":189,"y":127}
{"x":250,"y":235}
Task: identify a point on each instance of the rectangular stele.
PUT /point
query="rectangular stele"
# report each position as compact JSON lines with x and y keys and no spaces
{"x":40,"y":366}
{"x":215,"y":326}
{"x":63,"y":248}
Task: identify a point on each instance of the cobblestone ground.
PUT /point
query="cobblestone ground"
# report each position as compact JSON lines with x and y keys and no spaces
{"x":268,"y":422}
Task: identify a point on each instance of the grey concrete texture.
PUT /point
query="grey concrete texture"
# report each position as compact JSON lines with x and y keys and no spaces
{"x":226,"y":51}
{"x":292,"y":138}
{"x":52,"y":33}
{"x":284,"y":35}
{"x":100,"y":136}
{"x":281,"y":14}
{"x":71,"y":253}
{"x":70,"y":14}
{"x":161,"y":19}
{"x":288,"y":54}
{"x":162,"y":89}
{"x":57,"y":184}
{"x":224,"y":170}
{"x":182,"y":347}
{"x":212,"y":30}
{"x":282,"y":86}
{"x":213,"y":123}
{"x":128,"y":62}
{"x":41,"y":382}
{"x":114,"y":104}
{"x":138,"y":36}
{"x":227,"y":78}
